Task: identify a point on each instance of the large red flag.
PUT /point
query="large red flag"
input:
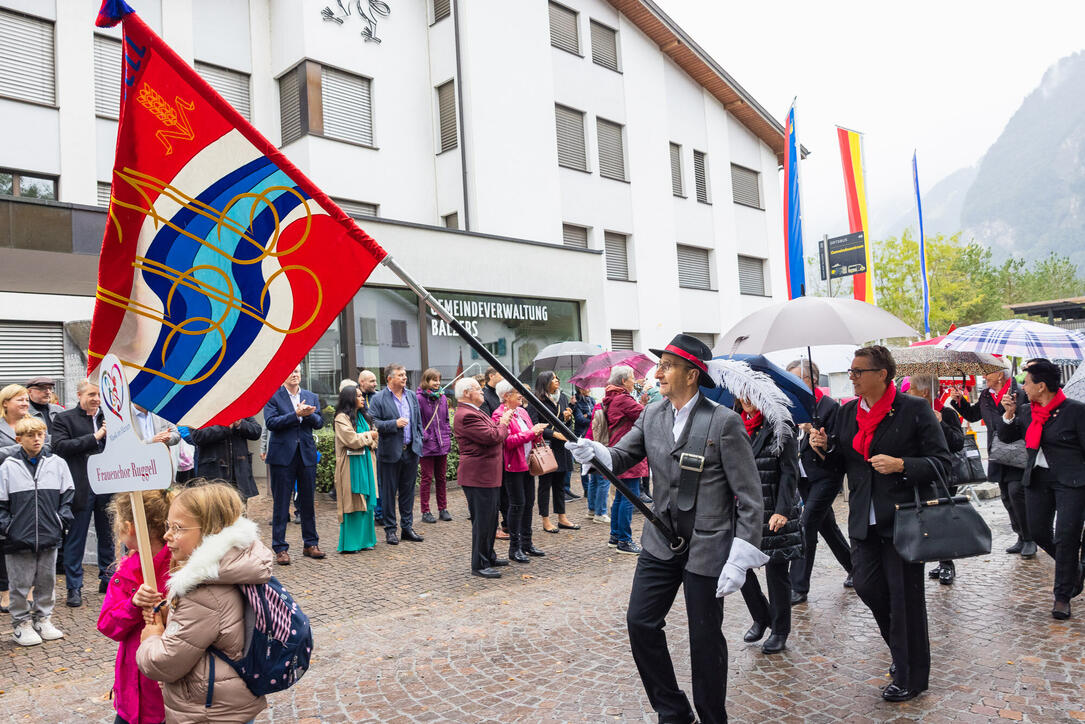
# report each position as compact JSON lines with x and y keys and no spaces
{"x":222,"y":264}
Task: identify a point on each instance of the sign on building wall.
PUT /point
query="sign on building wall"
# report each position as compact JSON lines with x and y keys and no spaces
{"x":366,"y":13}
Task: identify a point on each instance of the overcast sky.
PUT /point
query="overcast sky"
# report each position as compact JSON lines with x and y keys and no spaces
{"x":939,"y":77}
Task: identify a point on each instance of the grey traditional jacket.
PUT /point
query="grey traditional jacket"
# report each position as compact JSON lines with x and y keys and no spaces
{"x":729,"y":474}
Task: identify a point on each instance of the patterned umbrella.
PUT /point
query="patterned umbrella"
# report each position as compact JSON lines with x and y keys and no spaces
{"x":1018,"y":338}
{"x":596,"y":370}
{"x":939,"y":362}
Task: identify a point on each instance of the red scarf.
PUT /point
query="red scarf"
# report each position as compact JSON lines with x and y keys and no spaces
{"x":1001,"y":393}
{"x":752,"y":422}
{"x":1040,"y":416}
{"x":868,"y":420}
{"x":818,"y":394}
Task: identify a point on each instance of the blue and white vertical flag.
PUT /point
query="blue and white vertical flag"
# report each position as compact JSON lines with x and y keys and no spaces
{"x":922,"y":251}
{"x":795,"y":262}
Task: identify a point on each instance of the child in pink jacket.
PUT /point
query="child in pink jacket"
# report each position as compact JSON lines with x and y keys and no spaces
{"x":137,"y":699}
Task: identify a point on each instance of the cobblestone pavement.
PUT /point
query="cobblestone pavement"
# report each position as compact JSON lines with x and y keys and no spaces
{"x":405,"y":634}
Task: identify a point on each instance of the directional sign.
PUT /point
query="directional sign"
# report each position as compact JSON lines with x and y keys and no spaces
{"x":847,"y":255}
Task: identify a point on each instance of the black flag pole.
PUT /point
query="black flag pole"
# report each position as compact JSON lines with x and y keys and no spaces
{"x":677,"y":543}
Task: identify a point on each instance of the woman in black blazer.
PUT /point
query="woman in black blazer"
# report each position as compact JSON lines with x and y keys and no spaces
{"x":889,"y":444}
{"x":1053,"y":427}
{"x":548,"y":390}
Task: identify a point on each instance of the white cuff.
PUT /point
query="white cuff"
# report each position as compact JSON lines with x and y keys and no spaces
{"x":1007,"y":419}
{"x":746,"y":556}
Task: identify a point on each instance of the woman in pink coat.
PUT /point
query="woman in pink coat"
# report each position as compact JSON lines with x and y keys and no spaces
{"x":515,"y":478}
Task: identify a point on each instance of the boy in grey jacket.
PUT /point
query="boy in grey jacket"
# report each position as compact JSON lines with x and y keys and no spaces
{"x":36,"y":492}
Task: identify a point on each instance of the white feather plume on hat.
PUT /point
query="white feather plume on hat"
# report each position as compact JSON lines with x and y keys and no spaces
{"x":745,"y":383}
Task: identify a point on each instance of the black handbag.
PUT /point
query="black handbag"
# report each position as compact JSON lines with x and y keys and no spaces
{"x":941,"y":529}
{"x":967,"y":464}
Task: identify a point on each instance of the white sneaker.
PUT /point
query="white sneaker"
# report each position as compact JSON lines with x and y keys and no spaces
{"x":47,"y":630}
{"x":602,"y":518}
{"x":590,"y":515}
{"x":25,"y":635}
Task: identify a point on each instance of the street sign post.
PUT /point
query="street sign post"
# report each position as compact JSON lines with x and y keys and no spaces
{"x":846,"y":255}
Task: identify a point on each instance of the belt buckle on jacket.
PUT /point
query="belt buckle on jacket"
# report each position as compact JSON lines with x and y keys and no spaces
{"x":691,"y":462}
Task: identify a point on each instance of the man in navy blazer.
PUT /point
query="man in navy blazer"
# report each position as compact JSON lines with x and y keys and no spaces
{"x":291,"y":416}
{"x":399,"y":423}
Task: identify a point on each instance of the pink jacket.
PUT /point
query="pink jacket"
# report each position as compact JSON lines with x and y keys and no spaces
{"x":519,"y":436}
{"x":136,"y":698}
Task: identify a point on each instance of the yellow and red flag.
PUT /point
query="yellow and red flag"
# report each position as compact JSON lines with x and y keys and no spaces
{"x":851,"y":158}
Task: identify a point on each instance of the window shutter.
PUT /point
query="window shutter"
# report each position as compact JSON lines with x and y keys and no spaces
{"x":452,"y":221}
{"x":104,"y":192}
{"x":29,"y":349}
{"x":290,"y":105}
{"x":700,"y":176}
{"x":751,"y":275}
{"x":676,"y":170}
{"x":107,"y":76}
{"x":28,"y":59}
{"x":574,"y":236}
{"x":399,"y":333}
{"x":604,"y":46}
{"x":693,"y":271}
{"x":611,"y":150}
{"x":230,"y":84}
{"x":563,"y":30}
{"x":617,"y":254}
{"x":708,"y":339}
{"x":348,"y":112}
{"x":744,"y":186}
{"x":621,"y":339}
{"x":441,"y":9}
{"x":446,"y":110}
{"x":357,"y":209}
{"x":368,"y":329}
{"x":571,"y":150}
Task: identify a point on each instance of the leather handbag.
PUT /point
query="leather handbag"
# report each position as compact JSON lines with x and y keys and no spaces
{"x":967,"y":464}
{"x":941,"y":529}
{"x":1012,"y":454}
{"x":541,"y":460}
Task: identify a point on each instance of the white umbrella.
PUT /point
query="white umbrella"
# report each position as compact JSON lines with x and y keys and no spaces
{"x":1018,"y":338}
{"x":1075,"y":388}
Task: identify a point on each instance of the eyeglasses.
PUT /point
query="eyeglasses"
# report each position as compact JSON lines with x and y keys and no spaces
{"x":666,"y":367}
{"x":855,"y":372}
{"x":175,"y":529}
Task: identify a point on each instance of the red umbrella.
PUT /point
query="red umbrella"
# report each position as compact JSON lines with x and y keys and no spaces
{"x":596,"y":370}
{"x":933,"y":340}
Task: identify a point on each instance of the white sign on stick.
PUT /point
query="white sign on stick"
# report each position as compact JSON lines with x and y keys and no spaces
{"x":127,"y":464}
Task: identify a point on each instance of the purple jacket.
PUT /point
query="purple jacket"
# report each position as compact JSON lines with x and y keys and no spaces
{"x":436,"y":435}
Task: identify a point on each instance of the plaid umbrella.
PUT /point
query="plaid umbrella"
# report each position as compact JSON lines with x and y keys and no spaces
{"x":596,"y":370}
{"x":1018,"y":338}
{"x":939,"y":362}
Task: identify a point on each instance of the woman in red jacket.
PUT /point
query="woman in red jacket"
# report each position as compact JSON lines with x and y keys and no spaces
{"x":622,"y":411}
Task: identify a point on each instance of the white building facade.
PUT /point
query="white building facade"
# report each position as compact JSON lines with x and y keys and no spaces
{"x":573,"y":170}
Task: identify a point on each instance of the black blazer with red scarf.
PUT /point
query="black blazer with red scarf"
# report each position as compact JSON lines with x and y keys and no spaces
{"x":910,"y":431}
{"x":1063,"y":441}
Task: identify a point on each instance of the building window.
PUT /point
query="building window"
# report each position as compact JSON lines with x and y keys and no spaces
{"x":357,"y":209}
{"x":745,"y":186}
{"x":399,"y":333}
{"x":446,"y":112}
{"x":367,"y":331}
{"x":441,"y":9}
{"x":291,"y":105}
{"x":700,"y":175}
{"x":563,"y":30}
{"x":616,"y":248}
{"x":676,"y":171}
{"x":621,"y":339}
{"x":574,"y":236}
{"x":232,"y":85}
{"x":348,"y":111}
{"x":693,"y":269}
{"x":751,"y":276}
{"x":28,"y":59}
{"x":604,"y":46}
{"x":27,"y":186}
{"x":572,"y":152}
{"x":28,"y":349}
{"x":107,"y":77}
{"x":104,"y":192}
{"x":611,"y":150}
{"x":706,"y":337}
{"x":452,"y":221}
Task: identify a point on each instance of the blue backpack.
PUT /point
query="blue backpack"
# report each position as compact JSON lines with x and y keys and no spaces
{"x":278,"y":641}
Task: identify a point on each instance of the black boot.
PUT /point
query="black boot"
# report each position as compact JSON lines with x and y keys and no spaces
{"x":1016,"y":547}
{"x":515,"y":554}
{"x":949,"y":572}
{"x":754,"y":633}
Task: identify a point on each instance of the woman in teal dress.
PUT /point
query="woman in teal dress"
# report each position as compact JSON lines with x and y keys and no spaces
{"x":355,"y":473}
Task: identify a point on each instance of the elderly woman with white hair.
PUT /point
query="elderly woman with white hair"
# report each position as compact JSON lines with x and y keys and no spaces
{"x":515,"y":479}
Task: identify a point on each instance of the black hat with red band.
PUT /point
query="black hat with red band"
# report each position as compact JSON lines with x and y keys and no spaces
{"x":693,"y":351}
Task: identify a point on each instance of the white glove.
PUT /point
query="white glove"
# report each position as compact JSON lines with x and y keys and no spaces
{"x":742,"y":558}
{"x":585,"y":451}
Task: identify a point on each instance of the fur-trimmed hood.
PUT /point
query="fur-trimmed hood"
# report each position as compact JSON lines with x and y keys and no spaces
{"x":233,"y":556}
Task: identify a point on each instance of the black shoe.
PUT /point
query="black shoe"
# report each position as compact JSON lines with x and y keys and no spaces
{"x":629,"y":547}
{"x":486,"y":573}
{"x":848,"y":582}
{"x":646,"y":499}
{"x":774,"y":644}
{"x":1061,"y":610}
{"x":935,"y":572}
{"x":390,"y":538}
{"x":446,"y":516}
{"x":754,"y":633}
{"x":427,"y":517}
{"x":519,"y":556}
{"x":1016,"y":547}
{"x":947,"y":575}
{"x":297,"y":518}
{"x":571,"y":496}
{"x":103,"y":585}
{"x":1028,"y":549}
{"x":797,"y":598}
{"x":613,"y":542}
{"x":75,"y":597}
{"x":531,"y":550}
{"x":409,"y":534}
{"x":498,"y":562}
{"x":895,"y":693}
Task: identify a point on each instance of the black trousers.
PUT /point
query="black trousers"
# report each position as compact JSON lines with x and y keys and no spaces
{"x":396,"y":482}
{"x":893,"y":591}
{"x":520,"y":489}
{"x":818,"y":517}
{"x":283,"y":478}
{"x":655,"y":585}
{"x":774,"y":611}
{"x":482,"y":503}
{"x":552,"y":484}
{"x":1050,"y":501}
{"x":503,"y":506}
{"x":1012,"y":493}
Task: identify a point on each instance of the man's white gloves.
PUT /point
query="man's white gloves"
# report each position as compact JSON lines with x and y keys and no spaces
{"x":584,"y":451}
{"x":742,"y":558}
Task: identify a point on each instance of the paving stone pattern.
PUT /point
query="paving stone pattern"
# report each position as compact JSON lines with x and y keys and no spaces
{"x":405,"y":634}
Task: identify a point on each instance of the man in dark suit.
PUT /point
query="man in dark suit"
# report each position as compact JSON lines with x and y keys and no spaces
{"x":77,"y":434}
{"x":989,"y":408}
{"x":399,"y":422}
{"x":291,"y":416}
{"x":490,"y":400}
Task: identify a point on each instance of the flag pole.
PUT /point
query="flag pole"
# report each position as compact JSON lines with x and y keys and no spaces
{"x":677,"y":543}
